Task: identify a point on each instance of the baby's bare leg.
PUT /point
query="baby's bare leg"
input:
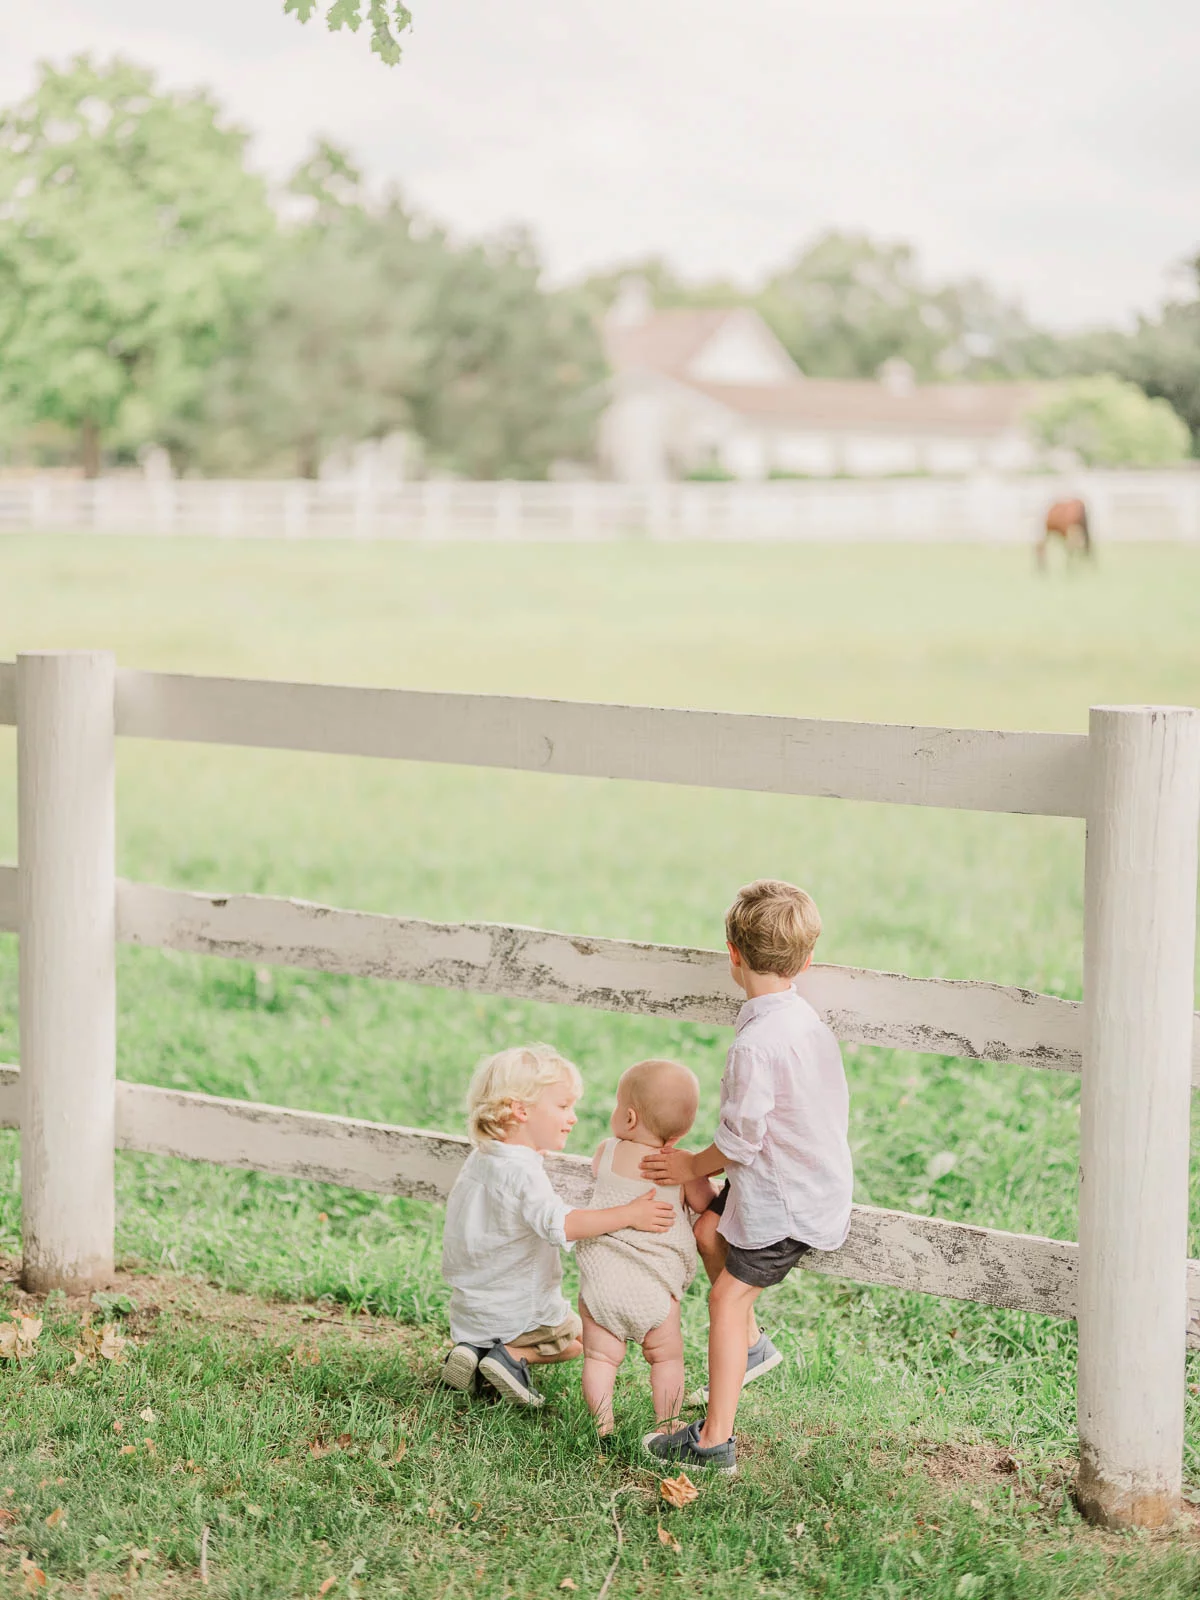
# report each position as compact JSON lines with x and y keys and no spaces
{"x":713,"y":1250}
{"x":663,"y":1349}
{"x":603,"y":1353}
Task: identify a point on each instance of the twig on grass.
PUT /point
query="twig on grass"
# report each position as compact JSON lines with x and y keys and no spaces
{"x":628,"y":1488}
{"x":204,"y":1554}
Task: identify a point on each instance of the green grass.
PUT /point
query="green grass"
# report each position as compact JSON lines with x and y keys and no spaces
{"x":961,"y":636}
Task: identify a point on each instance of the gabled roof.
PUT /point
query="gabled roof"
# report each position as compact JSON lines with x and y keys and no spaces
{"x":666,"y":341}
{"x":962,"y":408}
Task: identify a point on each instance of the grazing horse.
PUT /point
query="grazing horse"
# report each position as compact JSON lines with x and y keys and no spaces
{"x":1065,"y":520}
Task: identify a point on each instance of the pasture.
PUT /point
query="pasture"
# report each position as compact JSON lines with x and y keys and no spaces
{"x":912,"y":1446}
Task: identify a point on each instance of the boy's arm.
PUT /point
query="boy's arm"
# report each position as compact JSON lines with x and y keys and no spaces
{"x":646,"y":1214}
{"x":670,"y":1165}
{"x":698,"y":1193}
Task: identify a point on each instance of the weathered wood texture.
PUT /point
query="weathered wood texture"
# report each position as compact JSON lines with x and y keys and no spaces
{"x":885,"y":1247}
{"x":66,"y":887}
{"x":977,"y":1021}
{"x":1139,"y":952}
{"x":1042,"y":773}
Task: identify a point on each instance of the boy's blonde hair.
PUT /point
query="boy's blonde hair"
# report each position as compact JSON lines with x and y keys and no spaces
{"x":513,"y":1076}
{"x":665,"y":1095}
{"x":773,"y":926}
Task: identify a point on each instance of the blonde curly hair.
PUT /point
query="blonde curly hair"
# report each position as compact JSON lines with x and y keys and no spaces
{"x":516,"y":1076}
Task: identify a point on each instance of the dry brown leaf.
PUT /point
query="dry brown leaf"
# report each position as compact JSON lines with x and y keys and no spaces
{"x":305,"y":1355}
{"x":113,"y":1343}
{"x":118,"y":1426}
{"x":568,"y":1583}
{"x":147,"y":1415}
{"x":127,"y":1450}
{"x":35,"y":1578}
{"x":679,"y":1492}
{"x":18,"y":1337}
{"x":344,"y":1441}
{"x":317,"y":1449}
{"x":151,"y":1448}
{"x":56,"y":1516}
{"x":7,"y":1516}
{"x":401,"y":1448}
{"x":327,"y":1585}
{"x":665,"y":1536}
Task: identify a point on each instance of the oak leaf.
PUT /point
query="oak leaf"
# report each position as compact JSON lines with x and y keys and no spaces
{"x":665,"y":1536}
{"x":680,"y":1491}
{"x":18,"y":1337}
{"x":56,"y":1516}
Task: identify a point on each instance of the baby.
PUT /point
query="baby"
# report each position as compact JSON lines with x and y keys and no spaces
{"x":630,"y":1282}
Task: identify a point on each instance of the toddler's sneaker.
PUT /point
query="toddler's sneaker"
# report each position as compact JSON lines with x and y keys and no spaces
{"x":510,"y":1378}
{"x":762,"y":1357}
{"x":684,"y":1447}
{"x":461,"y":1365}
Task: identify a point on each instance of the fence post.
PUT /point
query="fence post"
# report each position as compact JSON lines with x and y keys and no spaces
{"x":67,"y":1006}
{"x":1139,"y":948}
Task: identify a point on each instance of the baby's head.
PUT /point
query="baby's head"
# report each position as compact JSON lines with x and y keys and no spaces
{"x":656,"y":1102}
{"x":771,"y":927}
{"x":525,"y":1095}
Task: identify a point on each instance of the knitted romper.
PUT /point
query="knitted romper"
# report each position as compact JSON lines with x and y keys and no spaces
{"x":628,"y":1279}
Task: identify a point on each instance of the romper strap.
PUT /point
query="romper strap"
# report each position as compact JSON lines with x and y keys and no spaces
{"x":606,"y":1158}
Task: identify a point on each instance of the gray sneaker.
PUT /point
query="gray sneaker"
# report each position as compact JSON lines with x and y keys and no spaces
{"x":761,"y":1358}
{"x":510,"y":1378}
{"x":461,"y":1365}
{"x":684,"y":1447}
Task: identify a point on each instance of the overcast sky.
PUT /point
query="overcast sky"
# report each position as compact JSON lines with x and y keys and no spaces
{"x":1052,"y":146}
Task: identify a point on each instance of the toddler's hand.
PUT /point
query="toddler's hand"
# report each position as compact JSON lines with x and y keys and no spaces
{"x":649,"y":1215}
{"x":667,"y":1165}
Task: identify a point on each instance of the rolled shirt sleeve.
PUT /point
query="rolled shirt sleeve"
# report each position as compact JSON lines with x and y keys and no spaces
{"x":541,"y":1208}
{"x":747,"y":1100}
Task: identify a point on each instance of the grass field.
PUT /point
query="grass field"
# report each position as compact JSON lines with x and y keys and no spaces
{"x":920,"y":1444}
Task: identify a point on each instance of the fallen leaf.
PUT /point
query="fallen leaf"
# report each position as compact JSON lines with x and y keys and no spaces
{"x":305,"y":1355}
{"x":345,"y":1440}
{"x":151,"y":1448}
{"x":127,"y":1450}
{"x":7,"y":1516}
{"x":317,"y":1449}
{"x":798,"y":1532}
{"x":478,"y":1511}
{"x":147,"y":1415}
{"x":113,"y":1343}
{"x":140,"y":1555}
{"x":56,"y":1516}
{"x":327,"y":1585}
{"x":18,"y":1337}
{"x":678,"y":1491}
{"x":401,"y":1448}
{"x":568,"y":1583}
{"x":118,"y":1426}
{"x":35,"y":1578}
{"x":665,"y":1536}
{"x":322,"y":1216}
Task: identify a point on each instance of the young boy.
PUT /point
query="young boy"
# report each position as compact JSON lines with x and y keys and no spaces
{"x":505,"y":1226}
{"x":782,"y":1142}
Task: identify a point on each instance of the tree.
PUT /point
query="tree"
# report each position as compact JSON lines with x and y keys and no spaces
{"x":1109,"y":423}
{"x":515,"y":377}
{"x":337,"y":340}
{"x":130,"y":236}
{"x":385,"y":28}
{"x":1163,"y":356}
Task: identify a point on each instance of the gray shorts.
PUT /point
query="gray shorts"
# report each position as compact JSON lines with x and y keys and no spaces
{"x":761,"y":1268}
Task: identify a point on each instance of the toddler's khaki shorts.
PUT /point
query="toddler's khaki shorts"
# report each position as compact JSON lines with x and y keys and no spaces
{"x":551,"y":1341}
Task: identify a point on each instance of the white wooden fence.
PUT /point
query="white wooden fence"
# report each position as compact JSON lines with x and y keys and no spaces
{"x":1135,"y":777}
{"x":1122,"y":506}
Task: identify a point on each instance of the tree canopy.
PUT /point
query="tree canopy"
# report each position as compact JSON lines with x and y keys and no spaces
{"x":1109,"y":423}
{"x":130,"y":234}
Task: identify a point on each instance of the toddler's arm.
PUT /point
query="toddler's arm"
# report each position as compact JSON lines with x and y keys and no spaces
{"x":698,"y":1193}
{"x":646,"y":1214}
{"x":670,"y":1165}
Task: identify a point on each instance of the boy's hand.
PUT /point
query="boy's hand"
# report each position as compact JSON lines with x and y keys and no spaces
{"x":649,"y":1215}
{"x":667,"y":1165}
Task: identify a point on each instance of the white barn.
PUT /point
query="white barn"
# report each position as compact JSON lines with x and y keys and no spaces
{"x":697,"y":390}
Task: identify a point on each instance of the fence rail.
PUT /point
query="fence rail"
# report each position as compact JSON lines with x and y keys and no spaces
{"x":931,"y":1016}
{"x":1144,"y":505}
{"x":1135,"y":1038}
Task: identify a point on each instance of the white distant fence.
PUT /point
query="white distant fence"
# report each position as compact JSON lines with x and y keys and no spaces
{"x":1135,"y":777}
{"x":1122,"y":506}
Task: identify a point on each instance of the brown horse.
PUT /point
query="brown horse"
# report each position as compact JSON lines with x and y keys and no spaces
{"x":1065,"y":520}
